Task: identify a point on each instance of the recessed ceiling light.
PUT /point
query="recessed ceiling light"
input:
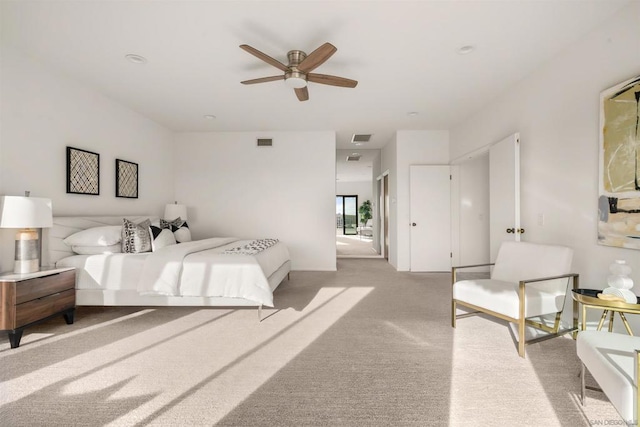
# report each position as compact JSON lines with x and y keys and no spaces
{"x":136,"y":59}
{"x":209,"y":117}
{"x":466,"y":49}
{"x":412,"y":113}
{"x":358,"y":143}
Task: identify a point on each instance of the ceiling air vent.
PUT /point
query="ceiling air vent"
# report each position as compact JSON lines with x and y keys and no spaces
{"x":265,"y":142}
{"x":360,"y":138}
{"x":354,"y":157}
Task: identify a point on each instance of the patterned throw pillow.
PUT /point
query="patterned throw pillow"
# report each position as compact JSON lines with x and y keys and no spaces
{"x":136,"y":237}
{"x":161,"y":237}
{"x":179,"y":227}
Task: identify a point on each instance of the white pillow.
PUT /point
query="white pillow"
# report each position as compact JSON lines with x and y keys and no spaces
{"x":96,"y":250}
{"x":96,"y":236}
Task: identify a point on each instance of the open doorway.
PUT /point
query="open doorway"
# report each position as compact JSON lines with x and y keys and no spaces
{"x":356,"y":204}
{"x":352,"y":236}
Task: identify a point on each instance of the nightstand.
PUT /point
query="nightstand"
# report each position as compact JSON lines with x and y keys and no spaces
{"x":588,"y":298}
{"x":26,"y":299}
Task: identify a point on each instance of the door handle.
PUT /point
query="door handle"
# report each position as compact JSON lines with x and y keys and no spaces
{"x":413,"y":224}
{"x":511,"y":230}
{"x":520,"y":230}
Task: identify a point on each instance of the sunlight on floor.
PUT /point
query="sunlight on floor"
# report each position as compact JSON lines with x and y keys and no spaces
{"x":479,"y":346}
{"x":169,"y":378}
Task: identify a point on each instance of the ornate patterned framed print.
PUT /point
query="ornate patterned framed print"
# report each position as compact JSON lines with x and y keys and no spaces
{"x":126,"y":179}
{"x":83,"y":172}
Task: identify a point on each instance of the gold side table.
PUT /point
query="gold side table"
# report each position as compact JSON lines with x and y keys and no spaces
{"x":588,"y":298}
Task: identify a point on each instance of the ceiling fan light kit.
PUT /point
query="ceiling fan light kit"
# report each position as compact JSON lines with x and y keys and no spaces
{"x":298,"y":72}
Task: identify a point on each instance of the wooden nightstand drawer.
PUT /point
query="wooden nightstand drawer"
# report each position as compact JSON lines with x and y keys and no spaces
{"x":39,"y":287}
{"x":29,"y":298}
{"x":43,"y":307}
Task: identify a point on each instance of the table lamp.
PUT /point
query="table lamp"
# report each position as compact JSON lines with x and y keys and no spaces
{"x":173,"y":211}
{"x":26,"y":213}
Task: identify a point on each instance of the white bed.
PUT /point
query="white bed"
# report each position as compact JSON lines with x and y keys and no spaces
{"x":126,"y":279}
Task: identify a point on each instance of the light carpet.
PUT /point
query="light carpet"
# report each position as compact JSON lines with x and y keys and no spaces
{"x":363,"y":346}
{"x":354,"y":246}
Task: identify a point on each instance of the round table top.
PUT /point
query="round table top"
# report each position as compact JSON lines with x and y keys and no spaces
{"x":590,"y":296}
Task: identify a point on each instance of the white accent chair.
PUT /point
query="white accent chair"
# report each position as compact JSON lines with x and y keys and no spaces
{"x":528,"y":280}
{"x":612,"y":360}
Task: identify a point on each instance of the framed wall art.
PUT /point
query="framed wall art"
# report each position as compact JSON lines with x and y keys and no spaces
{"x":126,"y":179}
{"x":83,"y":172}
{"x":619,"y":169}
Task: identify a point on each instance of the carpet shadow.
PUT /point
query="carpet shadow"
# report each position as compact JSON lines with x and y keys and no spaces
{"x":48,"y":354}
{"x":379,"y":364}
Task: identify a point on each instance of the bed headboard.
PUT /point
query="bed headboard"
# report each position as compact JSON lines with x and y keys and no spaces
{"x":53,"y":247}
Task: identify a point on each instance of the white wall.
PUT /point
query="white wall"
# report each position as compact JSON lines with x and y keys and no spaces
{"x":556,"y":111}
{"x":234,"y":188}
{"x":42,"y":113}
{"x":428,"y":147}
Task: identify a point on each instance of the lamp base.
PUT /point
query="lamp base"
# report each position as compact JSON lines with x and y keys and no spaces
{"x":27,"y":258}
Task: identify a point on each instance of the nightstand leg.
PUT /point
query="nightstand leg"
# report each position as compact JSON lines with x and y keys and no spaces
{"x":601,"y":322}
{"x":69,"y":316}
{"x":15,"y":337}
{"x":611,"y":321}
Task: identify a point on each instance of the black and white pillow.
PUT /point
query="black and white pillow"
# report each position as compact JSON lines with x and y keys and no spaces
{"x":179,"y":227}
{"x":136,"y":237}
{"x":161,"y":237}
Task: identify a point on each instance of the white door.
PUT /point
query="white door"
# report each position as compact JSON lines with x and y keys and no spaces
{"x":430,"y":208}
{"x":504,"y":192}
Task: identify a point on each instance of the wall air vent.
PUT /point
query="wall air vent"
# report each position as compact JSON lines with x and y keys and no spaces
{"x":265,"y":142}
{"x":355,"y":157}
{"x":360,"y":138}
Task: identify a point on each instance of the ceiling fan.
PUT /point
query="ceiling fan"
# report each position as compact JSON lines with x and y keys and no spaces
{"x":298,"y":72}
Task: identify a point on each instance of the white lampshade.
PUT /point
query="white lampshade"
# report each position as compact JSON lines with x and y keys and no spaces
{"x":174,"y":211}
{"x":25,"y":212}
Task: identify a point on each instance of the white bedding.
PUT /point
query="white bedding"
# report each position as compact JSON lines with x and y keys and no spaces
{"x":201,"y":268}
{"x":198,"y":268}
{"x":106,"y":271}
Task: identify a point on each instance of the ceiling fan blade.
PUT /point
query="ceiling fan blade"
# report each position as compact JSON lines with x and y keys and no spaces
{"x":302,"y":93}
{"x":266,"y":58}
{"x":317,"y":57}
{"x":262,"y":80}
{"x":331,"y":80}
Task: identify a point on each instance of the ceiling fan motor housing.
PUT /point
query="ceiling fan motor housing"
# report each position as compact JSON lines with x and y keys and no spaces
{"x":293,"y":77}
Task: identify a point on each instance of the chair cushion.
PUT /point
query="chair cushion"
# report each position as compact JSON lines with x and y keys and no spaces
{"x":502,"y":297}
{"x":523,"y":260}
{"x":610,"y":357}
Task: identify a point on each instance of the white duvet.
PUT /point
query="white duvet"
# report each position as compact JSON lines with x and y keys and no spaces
{"x":200,"y":268}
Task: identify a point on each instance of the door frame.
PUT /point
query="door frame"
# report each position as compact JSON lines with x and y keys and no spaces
{"x":383,"y":213}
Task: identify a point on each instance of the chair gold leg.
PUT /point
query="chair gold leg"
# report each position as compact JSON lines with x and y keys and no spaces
{"x":521,"y":321}
{"x":453,"y":314}
{"x":582,"y":391}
